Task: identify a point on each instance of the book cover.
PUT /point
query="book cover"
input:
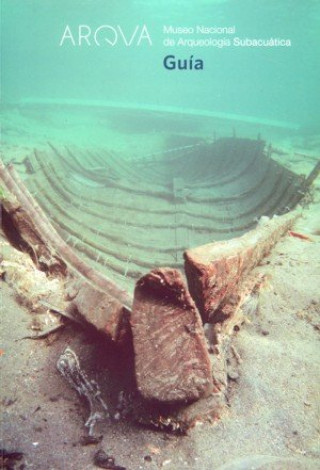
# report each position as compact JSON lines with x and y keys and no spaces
{"x":160,"y":233}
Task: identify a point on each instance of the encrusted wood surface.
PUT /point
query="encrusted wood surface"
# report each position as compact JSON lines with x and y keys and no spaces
{"x":171,"y":358}
{"x":100,"y":309}
{"x":23,"y":233}
{"x":100,"y":301}
{"x":49,"y":236}
{"x":216,"y":271}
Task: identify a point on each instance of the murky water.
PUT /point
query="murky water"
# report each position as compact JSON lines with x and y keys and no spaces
{"x":145,"y":128}
{"x":111,"y":110}
{"x":113,"y":52}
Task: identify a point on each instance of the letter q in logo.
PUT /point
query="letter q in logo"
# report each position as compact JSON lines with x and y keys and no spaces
{"x":110,"y":35}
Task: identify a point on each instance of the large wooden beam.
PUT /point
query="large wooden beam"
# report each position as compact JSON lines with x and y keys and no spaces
{"x":217,"y":271}
{"x":171,"y":358}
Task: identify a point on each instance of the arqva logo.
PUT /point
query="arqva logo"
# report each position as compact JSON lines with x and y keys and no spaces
{"x":107,"y":35}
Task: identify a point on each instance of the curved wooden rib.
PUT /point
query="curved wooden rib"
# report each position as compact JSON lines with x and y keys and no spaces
{"x":126,"y":217}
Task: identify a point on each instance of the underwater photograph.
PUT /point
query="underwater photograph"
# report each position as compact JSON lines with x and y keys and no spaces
{"x":160,"y":234}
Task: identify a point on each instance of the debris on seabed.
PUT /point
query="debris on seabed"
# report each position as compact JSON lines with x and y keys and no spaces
{"x":102,"y":460}
{"x":69,"y":367}
{"x":90,"y":440}
{"x":300,"y":235}
{"x":8,"y":459}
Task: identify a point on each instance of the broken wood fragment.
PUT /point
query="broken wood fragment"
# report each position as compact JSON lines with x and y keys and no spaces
{"x":101,"y":310}
{"x":23,"y":233}
{"x":52,"y":240}
{"x":171,"y":359}
{"x":217,"y":271}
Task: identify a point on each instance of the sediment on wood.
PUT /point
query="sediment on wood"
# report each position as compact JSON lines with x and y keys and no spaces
{"x":24,"y":234}
{"x":216,"y":271}
{"x":171,"y":359}
{"x":52,"y":239}
{"x":106,"y":313}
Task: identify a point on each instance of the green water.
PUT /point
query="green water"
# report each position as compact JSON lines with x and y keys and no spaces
{"x":265,"y":83}
{"x":130,"y":164}
{"x":87,"y":84}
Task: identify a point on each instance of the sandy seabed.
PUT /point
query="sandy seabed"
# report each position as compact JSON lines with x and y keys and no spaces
{"x":273,"y":418}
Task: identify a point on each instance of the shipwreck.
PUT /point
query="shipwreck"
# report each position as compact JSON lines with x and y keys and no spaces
{"x":159,"y":252}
